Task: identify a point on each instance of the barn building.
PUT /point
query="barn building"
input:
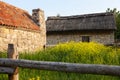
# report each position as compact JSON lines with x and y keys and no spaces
{"x":97,"y":27}
{"x":18,"y":27}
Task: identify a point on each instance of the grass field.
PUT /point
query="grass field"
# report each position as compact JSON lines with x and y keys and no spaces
{"x":88,"y":53}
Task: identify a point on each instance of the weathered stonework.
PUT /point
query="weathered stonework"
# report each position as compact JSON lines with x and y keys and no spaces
{"x":100,"y":37}
{"x":25,"y":40}
{"x":18,"y":27}
{"x":39,"y":19}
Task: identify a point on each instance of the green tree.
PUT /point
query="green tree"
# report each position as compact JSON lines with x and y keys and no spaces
{"x":117,"y":18}
{"x":58,"y":15}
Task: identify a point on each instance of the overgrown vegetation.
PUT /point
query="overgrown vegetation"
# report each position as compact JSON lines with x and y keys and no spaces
{"x":88,"y":53}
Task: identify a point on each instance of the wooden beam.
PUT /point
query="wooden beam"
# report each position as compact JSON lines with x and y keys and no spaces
{"x":6,"y":70}
{"x":13,"y":54}
{"x":65,"y":67}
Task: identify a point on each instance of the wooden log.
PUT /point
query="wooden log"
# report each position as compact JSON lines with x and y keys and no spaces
{"x":6,"y":70}
{"x":65,"y":67}
{"x":13,"y":54}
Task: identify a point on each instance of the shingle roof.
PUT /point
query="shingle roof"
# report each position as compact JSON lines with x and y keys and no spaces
{"x":97,"y":21}
{"x":15,"y":17}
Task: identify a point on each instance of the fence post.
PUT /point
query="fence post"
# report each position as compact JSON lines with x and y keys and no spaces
{"x":13,"y":54}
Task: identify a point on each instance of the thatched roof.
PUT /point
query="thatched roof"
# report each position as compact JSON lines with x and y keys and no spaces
{"x":98,"y":21}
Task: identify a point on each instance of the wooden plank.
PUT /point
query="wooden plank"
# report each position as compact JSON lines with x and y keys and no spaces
{"x":6,"y":70}
{"x":13,"y":54}
{"x":65,"y":67}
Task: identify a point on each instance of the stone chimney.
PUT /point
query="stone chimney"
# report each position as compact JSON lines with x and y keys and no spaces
{"x":38,"y":16}
{"x":39,"y":19}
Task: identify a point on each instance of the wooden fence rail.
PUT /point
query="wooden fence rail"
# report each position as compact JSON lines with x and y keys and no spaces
{"x":10,"y":66}
{"x":6,"y":70}
{"x":64,"y":67}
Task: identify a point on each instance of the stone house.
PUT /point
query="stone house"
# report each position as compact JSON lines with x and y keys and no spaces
{"x":97,"y":27}
{"x":19,"y":28}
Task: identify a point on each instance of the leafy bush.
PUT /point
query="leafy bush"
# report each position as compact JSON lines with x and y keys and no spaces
{"x":93,"y":53}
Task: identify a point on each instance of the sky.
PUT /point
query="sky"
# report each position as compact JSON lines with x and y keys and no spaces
{"x":66,"y":7}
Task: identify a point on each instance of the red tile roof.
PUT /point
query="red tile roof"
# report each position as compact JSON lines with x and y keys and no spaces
{"x":16,"y":17}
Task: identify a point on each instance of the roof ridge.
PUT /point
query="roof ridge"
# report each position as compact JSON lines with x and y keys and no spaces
{"x":82,"y":15}
{"x":14,"y":6}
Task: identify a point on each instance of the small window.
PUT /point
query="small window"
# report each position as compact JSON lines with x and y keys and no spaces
{"x":85,"y":39}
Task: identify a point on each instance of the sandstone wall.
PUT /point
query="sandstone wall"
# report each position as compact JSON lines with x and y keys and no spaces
{"x":100,"y":37}
{"x":25,"y":40}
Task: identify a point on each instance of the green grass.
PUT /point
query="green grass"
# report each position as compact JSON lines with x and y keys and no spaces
{"x":72,"y":52}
